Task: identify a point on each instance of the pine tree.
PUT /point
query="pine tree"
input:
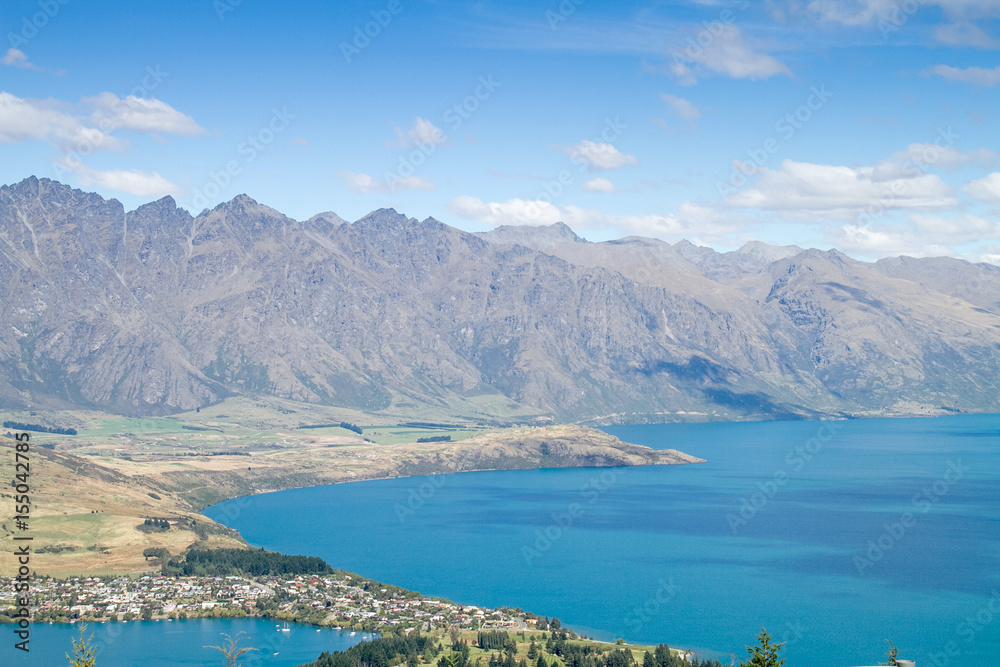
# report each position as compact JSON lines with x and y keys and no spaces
{"x":84,"y":654}
{"x":766,"y":654}
{"x":893,"y":652}
{"x":231,"y":650}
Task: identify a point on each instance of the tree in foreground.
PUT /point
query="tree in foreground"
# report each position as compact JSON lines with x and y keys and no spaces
{"x":231,"y":649}
{"x":893,"y":652}
{"x":84,"y":654}
{"x":765,"y":654}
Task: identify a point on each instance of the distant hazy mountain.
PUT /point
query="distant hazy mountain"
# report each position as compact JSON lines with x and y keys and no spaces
{"x":153,"y":311}
{"x":726,"y":266}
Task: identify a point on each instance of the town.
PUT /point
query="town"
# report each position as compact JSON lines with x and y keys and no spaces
{"x":340,"y":600}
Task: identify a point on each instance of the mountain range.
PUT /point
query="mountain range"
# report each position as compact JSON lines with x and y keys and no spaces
{"x":154,"y":311}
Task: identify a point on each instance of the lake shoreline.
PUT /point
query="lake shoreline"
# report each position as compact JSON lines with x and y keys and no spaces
{"x":845,"y":476}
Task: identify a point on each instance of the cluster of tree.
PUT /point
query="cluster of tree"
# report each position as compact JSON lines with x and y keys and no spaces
{"x":555,"y":643}
{"x":459,"y":656}
{"x":19,"y":426}
{"x":507,"y":661}
{"x":577,"y":655}
{"x":435,"y":438}
{"x":247,"y":562}
{"x":155,"y":552}
{"x":381,"y":652}
{"x":155,"y":525}
{"x":495,"y":640}
{"x":542,"y":622}
{"x":348,"y":425}
{"x":664,"y":657}
{"x":351,"y":427}
{"x":428,"y":425}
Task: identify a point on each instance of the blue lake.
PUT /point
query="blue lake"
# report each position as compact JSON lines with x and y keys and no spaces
{"x":835,"y":536}
{"x":172,"y":643}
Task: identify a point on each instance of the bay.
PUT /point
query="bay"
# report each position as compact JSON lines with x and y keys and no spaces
{"x":835,"y":536}
{"x":171,"y":643}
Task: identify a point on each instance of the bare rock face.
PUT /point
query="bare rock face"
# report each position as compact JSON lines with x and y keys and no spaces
{"x":154,"y":311}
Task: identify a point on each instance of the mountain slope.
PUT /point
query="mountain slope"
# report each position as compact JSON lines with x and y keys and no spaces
{"x":155,"y":311}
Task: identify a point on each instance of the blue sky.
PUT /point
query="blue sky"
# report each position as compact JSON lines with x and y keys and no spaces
{"x":865,"y":125}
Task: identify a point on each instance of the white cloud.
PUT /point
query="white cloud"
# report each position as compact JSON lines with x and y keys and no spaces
{"x":364,"y":184}
{"x":955,"y":230}
{"x":139,"y":183}
{"x":24,"y":119}
{"x":141,"y":115}
{"x":510,"y":212}
{"x":17,"y":58}
{"x":726,"y":54}
{"x":690,"y":220}
{"x":986,"y":189}
{"x":683,"y":108}
{"x":422,"y":133}
{"x":802,"y":187}
{"x":989,"y":254}
{"x":979,"y":76}
{"x":851,"y":12}
{"x":958,"y":29}
{"x":598,"y":156}
{"x":402,"y":141}
{"x":917,"y":158}
{"x":964,"y":33}
{"x":885,"y":241}
{"x":917,"y":236}
{"x":425,"y":133}
{"x":600,"y":185}
{"x":300,"y":141}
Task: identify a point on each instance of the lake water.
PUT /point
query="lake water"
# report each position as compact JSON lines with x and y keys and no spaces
{"x":835,"y":536}
{"x":172,"y":643}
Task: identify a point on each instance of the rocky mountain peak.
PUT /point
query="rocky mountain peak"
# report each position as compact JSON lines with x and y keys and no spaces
{"x":163,"y":206}
{"x":239,"y":205}
{"x":325,"y":219}
{"x":383,"y":218}
{"x":767,"y":252}
{"x":532,"y":236}
{"x":154,"y":313}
